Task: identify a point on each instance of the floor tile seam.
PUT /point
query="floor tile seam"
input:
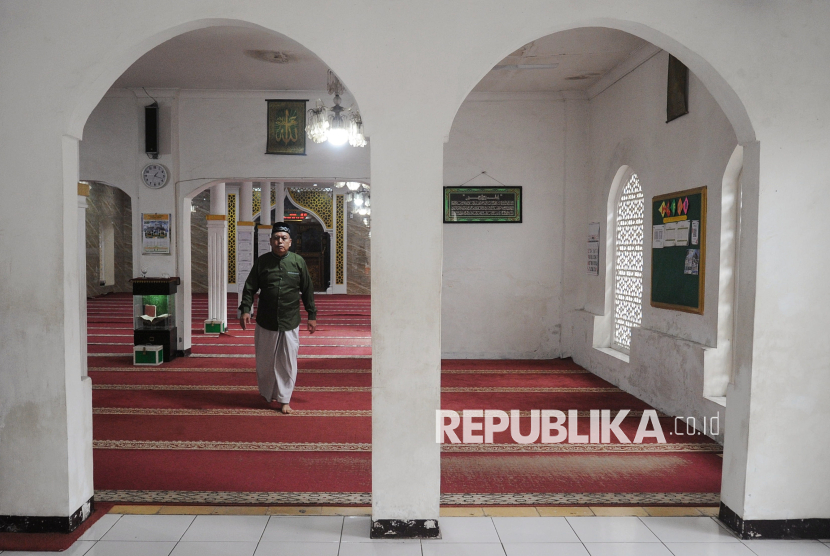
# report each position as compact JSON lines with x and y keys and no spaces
{"x":189,"y":525}
{"x":108,"y":528}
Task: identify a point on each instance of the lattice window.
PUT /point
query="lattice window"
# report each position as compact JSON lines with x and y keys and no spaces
{"x":628,"y":267}
{"x":231,"y":238}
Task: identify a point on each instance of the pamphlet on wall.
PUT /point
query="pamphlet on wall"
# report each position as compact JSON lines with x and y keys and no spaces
{"x":682,"y":235}
{"x":670,"y":234}
{"x":657,"y":234}
{"x":695,"y":232}
{"x":692,"y":265}
{"x":155,"y":234}
{"x":593,"y":258}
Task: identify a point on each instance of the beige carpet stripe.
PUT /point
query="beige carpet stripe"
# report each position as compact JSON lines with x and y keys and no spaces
{"x":272,"y":412}
{"x":447,"y":499}
{"x":302,"y":371}
{"x":465,"y":389}
{"x":230,"y":412}
{"x":214,"y":387}
{"x":214,"y":370}
{"x":232,"y":446}
{"x":249,"y":344}
{"x":211,"y":445}
{"x":251,"y":356}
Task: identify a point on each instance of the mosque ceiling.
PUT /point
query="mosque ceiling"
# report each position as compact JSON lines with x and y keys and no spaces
{"x":252,"y":59}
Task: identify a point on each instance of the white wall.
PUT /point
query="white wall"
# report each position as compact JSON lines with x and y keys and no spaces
{"x":502,"y":283}
{"x":204,"y":136}
{"x":628,"y":127}
{"x":412,"y":65}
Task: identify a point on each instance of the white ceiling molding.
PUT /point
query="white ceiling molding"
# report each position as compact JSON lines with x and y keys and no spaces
{"x":637,"y":58}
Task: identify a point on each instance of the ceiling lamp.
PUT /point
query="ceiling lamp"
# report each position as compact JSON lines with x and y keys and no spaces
{"x":356,"y":137}
{"x":330,"y":124}
{"x":318,"y":123}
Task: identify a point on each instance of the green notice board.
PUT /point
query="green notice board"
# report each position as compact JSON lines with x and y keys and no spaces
{"x":678,"y":250}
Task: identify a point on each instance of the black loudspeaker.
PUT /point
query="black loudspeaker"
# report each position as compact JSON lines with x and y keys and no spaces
{"x":151,"y":130}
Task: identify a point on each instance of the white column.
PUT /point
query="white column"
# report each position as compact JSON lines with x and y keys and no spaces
{"x":332,"y":262}
{"x":246,"y":201}
{"x":279,"y":200}
{"x":265,"y":204}
{"x":217,"y":227}
{"x":264,"y":228}
{"x":338,"y":245}
{"x":244,"y":236}
{"x":83,"y":193}
{"x":407,"y":254}
{"x":45,"y":402}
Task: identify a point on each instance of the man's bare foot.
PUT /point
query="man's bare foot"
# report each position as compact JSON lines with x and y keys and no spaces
{"x":286,"y":409}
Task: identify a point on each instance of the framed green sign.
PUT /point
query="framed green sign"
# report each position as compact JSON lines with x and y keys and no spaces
{"x":678,"y":250}
{"x":493,"y":205}
{"x":286,"y":127}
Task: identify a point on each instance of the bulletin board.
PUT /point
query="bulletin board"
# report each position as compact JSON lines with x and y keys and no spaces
{"x":678,"y":250}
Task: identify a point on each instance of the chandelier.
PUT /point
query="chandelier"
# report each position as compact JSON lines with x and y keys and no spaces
{"x":331,"y":124}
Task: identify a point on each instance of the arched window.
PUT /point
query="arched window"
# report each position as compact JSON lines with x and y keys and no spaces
{"x":628,"y":263}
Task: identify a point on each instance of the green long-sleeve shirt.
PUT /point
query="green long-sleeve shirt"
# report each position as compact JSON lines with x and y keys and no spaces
{"x":281,"y":282}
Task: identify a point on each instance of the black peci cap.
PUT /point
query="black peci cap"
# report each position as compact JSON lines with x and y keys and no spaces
{"x":280,"y":227}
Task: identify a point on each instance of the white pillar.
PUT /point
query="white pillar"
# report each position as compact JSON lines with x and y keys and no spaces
{"x":83,"y":193}
{"x":246,"y":201}
{"x":244,"y":236}
{"x":265,"y":204}
{"x":45,"y":402}
{"x":338,"y":246}
{"x":264,"y":228}
{"x":332,"y":262}
{"x":217,"y":227}
{"x":279,"y":200}
{"x":407,"y":254}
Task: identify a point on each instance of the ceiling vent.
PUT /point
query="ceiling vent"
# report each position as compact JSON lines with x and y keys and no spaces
{"x":273,"y":56}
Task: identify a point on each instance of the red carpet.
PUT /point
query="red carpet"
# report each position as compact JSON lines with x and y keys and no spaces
{"x":51,"y":542}
{"x":195,"y":430}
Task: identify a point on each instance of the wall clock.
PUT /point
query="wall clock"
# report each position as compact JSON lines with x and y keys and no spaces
{"x":154,"y":176}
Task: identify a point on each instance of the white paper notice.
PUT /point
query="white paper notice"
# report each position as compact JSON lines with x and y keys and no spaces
{"x":593,"y":258}
{"x":657,"y":233}
{"x":263,"y":241}
{"x":670,"y":234}
{"x":695,"y":232}
{"x":682,"y":236}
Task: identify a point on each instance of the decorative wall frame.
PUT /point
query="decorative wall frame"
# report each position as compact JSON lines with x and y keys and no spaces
{"x":677,"y":90}
{"x":286,"y":127}
{"x":155,"y":234}
{"x":483,"y":205}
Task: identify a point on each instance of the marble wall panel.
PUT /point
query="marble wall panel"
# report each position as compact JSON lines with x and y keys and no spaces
{"x":108,"y":204}
{"x":198,"y":242}
{"x":358,"y":254}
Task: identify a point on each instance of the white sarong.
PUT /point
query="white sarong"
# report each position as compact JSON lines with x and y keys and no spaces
{"x":276,"y":363}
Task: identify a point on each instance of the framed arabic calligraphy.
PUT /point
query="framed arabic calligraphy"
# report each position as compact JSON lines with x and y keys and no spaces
{"x":286,"y":127}
{"x":491,"y":205}
{"x":678,"y":250}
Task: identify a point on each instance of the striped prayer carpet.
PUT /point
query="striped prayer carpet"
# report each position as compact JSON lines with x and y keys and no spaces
{"x":195,"y":430}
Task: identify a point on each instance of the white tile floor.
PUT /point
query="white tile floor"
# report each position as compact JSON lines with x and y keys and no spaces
{"x":220,"y":535}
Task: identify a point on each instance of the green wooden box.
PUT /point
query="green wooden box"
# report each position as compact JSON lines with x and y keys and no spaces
{"x":214,"y":327}
{"x":148,"y":355}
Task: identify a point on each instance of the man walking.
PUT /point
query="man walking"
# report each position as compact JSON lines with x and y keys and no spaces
{"x":282,"y":278}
